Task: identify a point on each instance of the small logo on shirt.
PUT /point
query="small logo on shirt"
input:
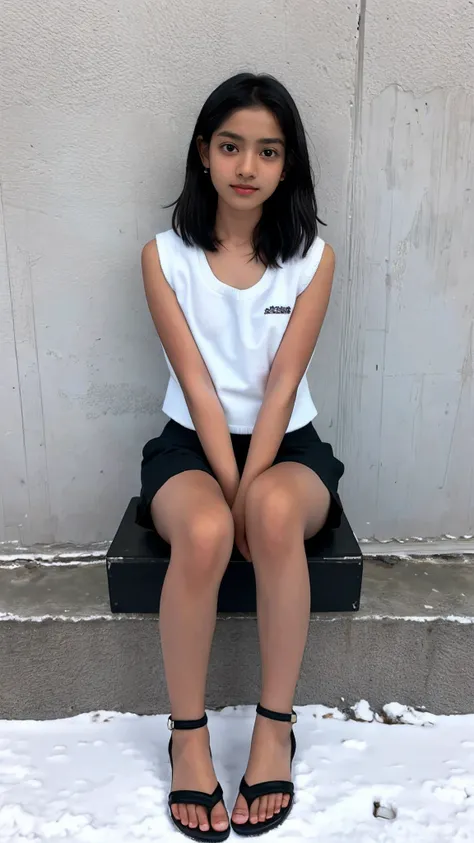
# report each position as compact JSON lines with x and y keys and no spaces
{"x":277,"y":309}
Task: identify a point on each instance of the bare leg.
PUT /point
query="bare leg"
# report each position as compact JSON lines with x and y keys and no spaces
{"x":285,"y":505}
{"x":190,"y":512}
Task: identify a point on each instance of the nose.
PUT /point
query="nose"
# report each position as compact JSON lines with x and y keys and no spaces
{"x":246,"y":166}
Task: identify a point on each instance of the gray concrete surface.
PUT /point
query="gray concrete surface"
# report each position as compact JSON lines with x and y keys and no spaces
{"x":97,"y":113}
{"x":406,"y":397}
{"x":63,"y":652}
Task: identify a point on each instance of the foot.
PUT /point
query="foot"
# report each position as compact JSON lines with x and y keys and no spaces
{"x":193,"y":770}
{"x":270,"y":756}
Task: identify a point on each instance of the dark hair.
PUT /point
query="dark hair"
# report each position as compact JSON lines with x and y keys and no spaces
{"x":289,"y":221}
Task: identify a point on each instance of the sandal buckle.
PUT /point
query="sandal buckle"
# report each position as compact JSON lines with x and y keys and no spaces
{"x":294,"y":717}
{"x":170,"y":723}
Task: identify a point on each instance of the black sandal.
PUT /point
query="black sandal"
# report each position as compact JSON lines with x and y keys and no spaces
{"x":250,"y":793}
{"x":195,"y":797}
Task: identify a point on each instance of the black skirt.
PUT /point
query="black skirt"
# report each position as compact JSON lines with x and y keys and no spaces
{"x":179,"y":449}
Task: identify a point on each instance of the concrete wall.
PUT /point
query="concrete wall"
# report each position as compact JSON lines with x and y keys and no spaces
{"x":406,"y":399}
{"x":98,"y":104}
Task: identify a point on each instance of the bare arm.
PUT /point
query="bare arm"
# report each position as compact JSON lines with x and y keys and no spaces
{"x":288,"y":368}
{"x":201,"y":397}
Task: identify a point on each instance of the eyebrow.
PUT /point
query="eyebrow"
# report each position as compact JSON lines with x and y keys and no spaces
{"x":240,"y":138}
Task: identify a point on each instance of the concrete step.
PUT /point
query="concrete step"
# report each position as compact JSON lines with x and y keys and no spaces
{"x":62,"y":651}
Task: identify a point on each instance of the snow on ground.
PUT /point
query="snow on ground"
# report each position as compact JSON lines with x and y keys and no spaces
{"x":104,"y":777}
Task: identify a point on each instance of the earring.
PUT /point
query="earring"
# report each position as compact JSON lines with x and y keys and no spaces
{"x":206,"y":170}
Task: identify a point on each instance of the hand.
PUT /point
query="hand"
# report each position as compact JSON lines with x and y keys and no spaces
{"x":230,"y":487}
{"x":238,"y":514}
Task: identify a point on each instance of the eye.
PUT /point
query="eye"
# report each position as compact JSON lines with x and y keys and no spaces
{"x":273,"y":153}
{"x":226,"y":145}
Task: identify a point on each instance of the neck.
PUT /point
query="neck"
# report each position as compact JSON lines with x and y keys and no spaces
{"x":233,"y":227}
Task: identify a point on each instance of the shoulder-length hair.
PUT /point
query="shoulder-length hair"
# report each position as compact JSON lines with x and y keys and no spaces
{"x":289,"y":221}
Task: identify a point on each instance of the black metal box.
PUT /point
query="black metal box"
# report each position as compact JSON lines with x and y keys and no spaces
{"x":137,"y":561}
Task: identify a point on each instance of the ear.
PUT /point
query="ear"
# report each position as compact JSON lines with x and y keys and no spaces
{"x":203,"y":149}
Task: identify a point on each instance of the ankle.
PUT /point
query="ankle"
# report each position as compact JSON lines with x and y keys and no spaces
{"x":272,"y":729}
{"x":190,"y":735}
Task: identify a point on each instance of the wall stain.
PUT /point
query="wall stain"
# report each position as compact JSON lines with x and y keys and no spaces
{"x":466,"y":380}
{"x":116,"y":399}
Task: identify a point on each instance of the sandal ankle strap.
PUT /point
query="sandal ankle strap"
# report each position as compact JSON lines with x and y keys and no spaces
{"x":186,"y":724}
{"x":275,"y":715}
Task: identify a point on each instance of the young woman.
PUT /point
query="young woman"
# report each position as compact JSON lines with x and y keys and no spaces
{"x":238,"y":290}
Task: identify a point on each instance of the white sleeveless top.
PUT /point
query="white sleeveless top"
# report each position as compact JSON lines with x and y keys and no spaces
{"x":237,"y":331}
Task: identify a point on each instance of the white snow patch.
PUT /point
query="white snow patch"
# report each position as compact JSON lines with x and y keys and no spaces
{"x":352,"y":743}
{"x":362,"y":711}
{"x":104,"y":777}
{"x":396,"y":713}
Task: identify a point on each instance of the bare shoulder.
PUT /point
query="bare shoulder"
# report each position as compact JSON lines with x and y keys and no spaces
{"x":328,"y":258}
{"x":150,"y":254}
{"x":152,"y":271}
{"x":324,"y":273}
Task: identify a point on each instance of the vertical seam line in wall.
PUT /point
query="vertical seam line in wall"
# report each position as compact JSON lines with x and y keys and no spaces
{"x":40,"y":386}
{"x":355,"y":147}
{"x":17,"y":364}
{"x":386,"y":320}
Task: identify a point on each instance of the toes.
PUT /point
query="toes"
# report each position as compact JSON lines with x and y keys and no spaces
{"x":202,"y":818}
{"x":175,"y":811}
{"x":219,"y":818}
{"x":271,"y":806}
{"x":241,"y":812}
{"x":254,"y":811}
{"x":196,"y":815}
{"x":286,"y":800}
{"x":192,"y":816}
{"x":262,"y":809}
{"x":278,"y":802}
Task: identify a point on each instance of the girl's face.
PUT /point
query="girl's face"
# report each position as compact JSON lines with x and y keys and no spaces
{"x":247,"y":150}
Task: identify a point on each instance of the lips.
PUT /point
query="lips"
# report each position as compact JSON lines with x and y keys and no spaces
{"x":244,"y":189}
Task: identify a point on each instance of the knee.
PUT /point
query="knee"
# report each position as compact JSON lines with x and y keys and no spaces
{"x":205,"y":543}
{"x":271,"y":516}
